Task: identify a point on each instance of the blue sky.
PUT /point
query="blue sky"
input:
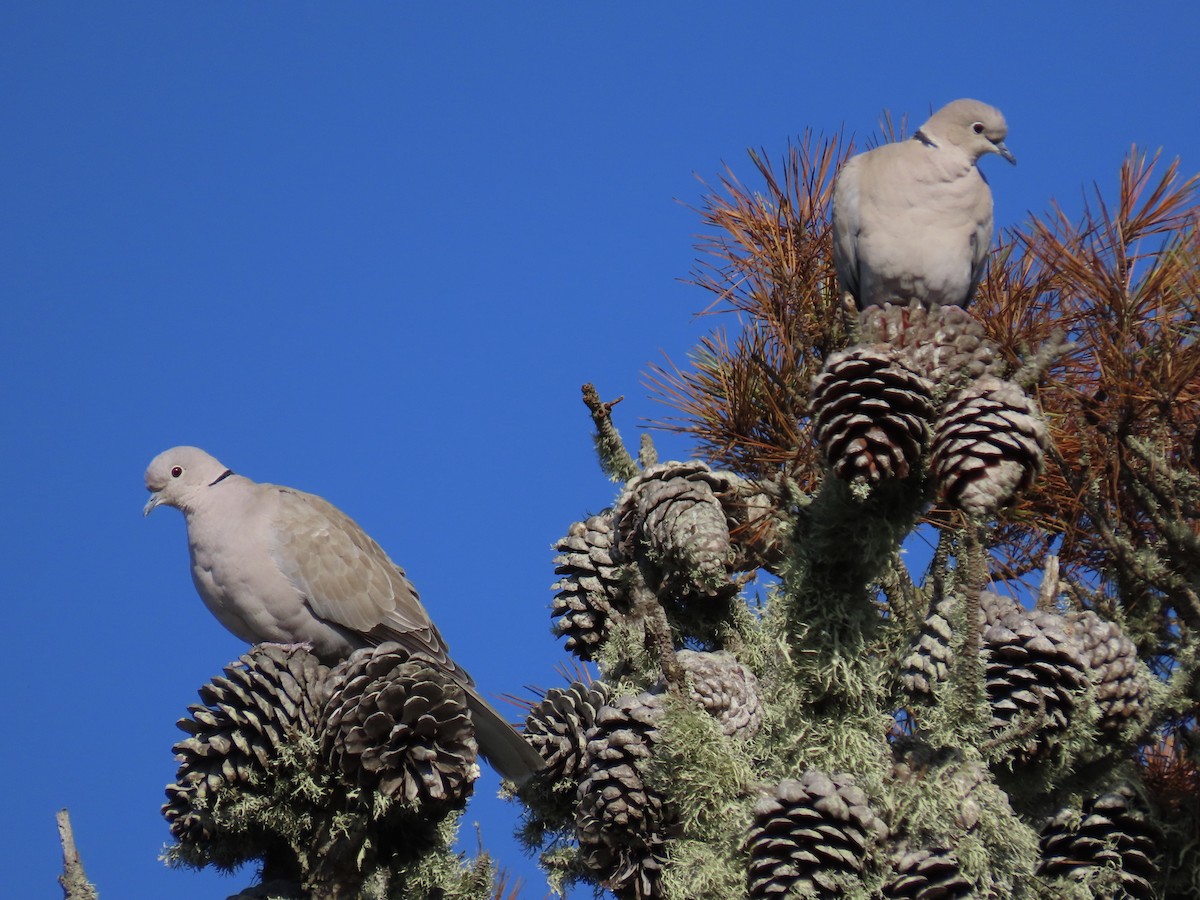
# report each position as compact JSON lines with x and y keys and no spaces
{"x":372,"y":250}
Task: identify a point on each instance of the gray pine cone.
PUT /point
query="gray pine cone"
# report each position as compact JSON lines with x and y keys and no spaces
{"x":871,"y":414}
{"x":927,"y":874}
{"x":671,"y":520}
{"x":1122,"y":683}
{"x":928,"y":663}
{"x":396,"y":724}
{"x":1035,"y":672}
{"x":988,"y":446}
{"x":968,"y":781}
{"x":946,"y":344}
{"x":263,"y":702}
{"x":1110,"y":846}
{"x":558,"y":728}
{"x":757,"y":527}
{"x":622,"y":824}
{"x":589,"y":595}
{"x":811,"y":836}
{"x":726,"y":689}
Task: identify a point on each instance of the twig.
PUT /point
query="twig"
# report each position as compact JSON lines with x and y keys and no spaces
{"x":647,"y":452}
{"x":1034,"y":369}
{"x":1048,"y":592}
{"x":658,"y":640}
{"x":74,"y":881}
{"x":614,"y":457}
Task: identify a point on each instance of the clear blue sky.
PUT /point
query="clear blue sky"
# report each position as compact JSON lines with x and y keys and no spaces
{"x":372,"y":250}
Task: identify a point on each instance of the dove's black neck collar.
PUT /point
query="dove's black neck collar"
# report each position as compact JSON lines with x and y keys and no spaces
{"x":221,"y":477}
{"x":925,"y":139}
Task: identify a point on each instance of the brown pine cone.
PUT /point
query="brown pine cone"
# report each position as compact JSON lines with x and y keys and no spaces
{"x":268,"y":699}
{"x":988,"y":446}
{"x":928,"y":663}
{"x":590,"y":595}
{"x":871,"y":415}
{"x":396,"y":724}
{"x":1035,"y":674}
{"x":1110,"y":846}
{"x":927,"y":874}
{"x":811,"y":837}
{"x":558,"y":727}
{"x":622,"y":824}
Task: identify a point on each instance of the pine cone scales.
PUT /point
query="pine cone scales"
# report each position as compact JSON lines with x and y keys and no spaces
{"x":928,"y":664}
{"x":871,"y":415}
{"x":726,"y":689}
{"x":260,"y":704}
{"x":558,"y":728}
{"x":943,"y":343}
{"x":396,"y":724}
{"x":1122,"y":688}
{"x":927,"y":875}
{"x":988,"y":446}
{"x":622,"y":825}
{"x":1034,"y":672}
{"x":811,"y":837}
{"x":670,"y":517}
{"x":589,"y":594}
{"x":1112,"y":847}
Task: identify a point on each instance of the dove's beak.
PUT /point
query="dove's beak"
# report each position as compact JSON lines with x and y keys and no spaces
{"x":154,"y":500}
{"x":1003,"y":150}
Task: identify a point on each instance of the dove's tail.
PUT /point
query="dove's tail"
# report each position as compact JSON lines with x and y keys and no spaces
{"x":500,"y":744}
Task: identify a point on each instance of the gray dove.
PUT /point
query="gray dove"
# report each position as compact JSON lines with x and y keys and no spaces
{"x":912,"y":220}
{"x":274,"y":564}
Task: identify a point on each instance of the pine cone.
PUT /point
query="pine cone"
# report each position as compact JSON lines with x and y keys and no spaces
{"x":1122,"y":686}
{"x":558,"y":727}
{"x":968,"y":781}
{"x":726,"y":689}
{"x":1035,"y":672}
{"x":265,"y":700}
{"x":397,"y":724}
{"x":927,"y":874}
{"x":1110,"y":847}
{"x":623,"y":825}
{"x":589,"y":595}
{"x":871,"y":415}
{"x":946,"y":344}
{"x":928,"y":664}
{"x":757,"y":528}
{"x":671,"y":520}
{"x":988,"y":446}
{"x":812,"y":836}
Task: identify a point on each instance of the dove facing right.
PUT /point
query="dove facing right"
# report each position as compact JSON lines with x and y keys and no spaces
{"x":912,"y":220}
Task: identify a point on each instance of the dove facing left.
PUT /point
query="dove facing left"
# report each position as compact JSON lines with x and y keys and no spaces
{"x":275,"y":564}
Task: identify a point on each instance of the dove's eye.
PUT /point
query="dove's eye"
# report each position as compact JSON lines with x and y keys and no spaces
{"x":977,"y":128}
{"x":177,"y":471}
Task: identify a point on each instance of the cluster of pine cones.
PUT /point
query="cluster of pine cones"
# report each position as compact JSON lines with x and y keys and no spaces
{"x":393,"y":730}
{"x":684,"y":532}
{"x":922,"y":394}
{"x":597,"y":747}
{"x":1040,"y":666}
{"x":687,"y":531}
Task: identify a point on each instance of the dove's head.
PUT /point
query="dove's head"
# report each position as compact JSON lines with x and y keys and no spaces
{"x":972,"y":126}
{"x":176,"y":476}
